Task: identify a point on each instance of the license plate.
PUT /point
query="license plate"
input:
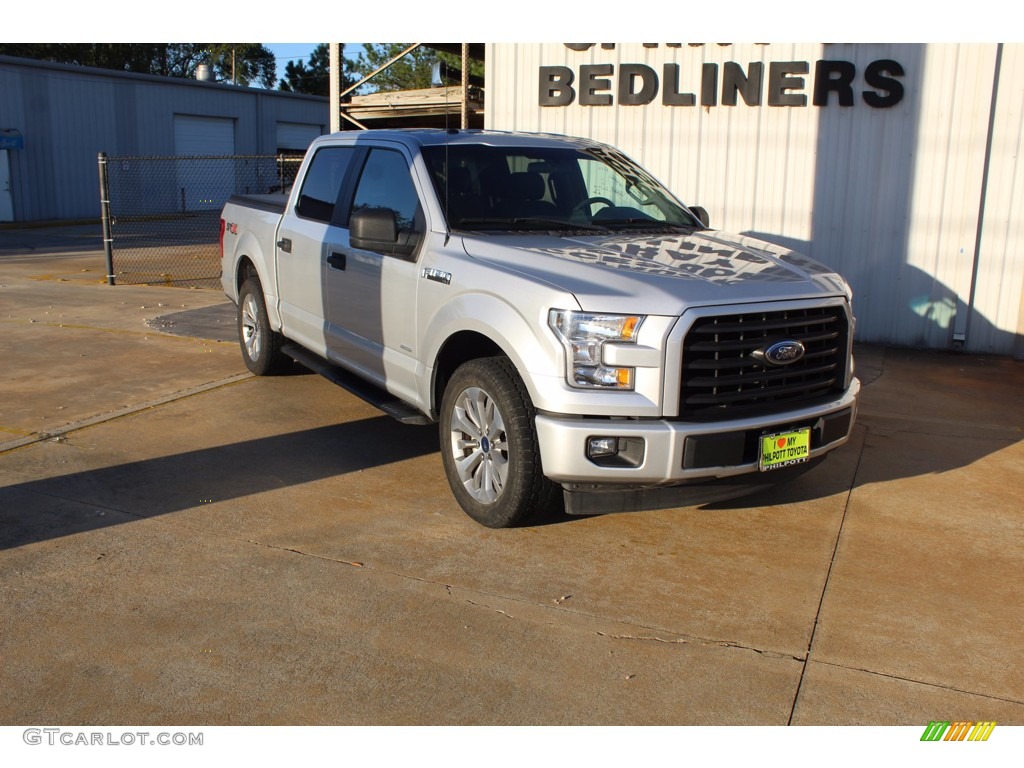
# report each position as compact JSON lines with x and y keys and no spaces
{"x":784,"y":449}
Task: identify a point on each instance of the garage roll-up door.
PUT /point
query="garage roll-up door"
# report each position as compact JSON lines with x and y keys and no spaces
{"x":204,"y":135}
{"x":295,"y":136}
{"x":204,"y":185}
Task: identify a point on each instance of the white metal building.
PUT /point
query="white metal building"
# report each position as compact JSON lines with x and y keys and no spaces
{"x":897,"y":164}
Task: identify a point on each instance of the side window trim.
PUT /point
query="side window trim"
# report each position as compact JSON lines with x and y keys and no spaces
{"x":343,"y":206}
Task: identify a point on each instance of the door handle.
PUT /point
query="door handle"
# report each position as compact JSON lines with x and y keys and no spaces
{"x":285,"y":244}
{"x":337,"y":260}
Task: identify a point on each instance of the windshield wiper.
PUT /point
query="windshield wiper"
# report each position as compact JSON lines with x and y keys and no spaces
{"x":560,"y":224}
{"x":520,"y":223}
{"x":647,"y":224}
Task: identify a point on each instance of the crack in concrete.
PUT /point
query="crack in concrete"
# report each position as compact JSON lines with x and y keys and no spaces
{"x":688,"y":639}
{"x":828,"y":574}
{"x":490,"y":607}
{"x":903,"y":679}
{"x":292,"y":550}
{"x":91,"y":421}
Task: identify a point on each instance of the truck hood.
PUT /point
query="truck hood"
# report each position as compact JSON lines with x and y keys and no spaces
{"x":660,"y":274}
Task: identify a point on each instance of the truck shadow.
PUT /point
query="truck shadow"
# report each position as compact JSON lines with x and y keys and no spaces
{"x":59,"y":506}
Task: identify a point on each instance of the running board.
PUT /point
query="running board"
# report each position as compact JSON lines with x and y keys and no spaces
{"x":397,"y":409}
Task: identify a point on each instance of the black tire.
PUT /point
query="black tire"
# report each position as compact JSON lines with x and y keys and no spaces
{"x":261,"y":346}
{"x":489,"y":445}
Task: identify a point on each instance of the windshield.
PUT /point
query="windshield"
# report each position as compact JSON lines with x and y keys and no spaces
{"x":489,"y":188}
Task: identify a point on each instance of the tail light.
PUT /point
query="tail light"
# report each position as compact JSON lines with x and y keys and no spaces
{"x":222,"y":227}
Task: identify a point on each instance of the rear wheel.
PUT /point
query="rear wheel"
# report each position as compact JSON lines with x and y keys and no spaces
{"x":489,"y":445}
{"x":261,"y":347}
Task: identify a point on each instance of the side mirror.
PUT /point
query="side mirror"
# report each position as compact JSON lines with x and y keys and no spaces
{"x":373,"y":229}
{"x":702,"y":215}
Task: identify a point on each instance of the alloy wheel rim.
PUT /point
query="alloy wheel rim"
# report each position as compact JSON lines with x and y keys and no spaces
{"x":479,"y":445}
{"x":251,"y":336}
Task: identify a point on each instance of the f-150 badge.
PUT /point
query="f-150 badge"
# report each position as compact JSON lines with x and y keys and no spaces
{"x":437,"y":275}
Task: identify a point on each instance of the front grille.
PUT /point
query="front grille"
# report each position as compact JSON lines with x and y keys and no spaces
{"x":722,"y":379}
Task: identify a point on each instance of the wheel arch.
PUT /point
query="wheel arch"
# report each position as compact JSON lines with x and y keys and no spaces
{"x":458,"y":349}
{"x":245,"y":269}
{"x":250,"y":263}
{"x":475,"y":325}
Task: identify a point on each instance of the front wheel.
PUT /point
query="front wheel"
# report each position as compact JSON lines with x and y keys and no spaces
{"x":489,"y":445}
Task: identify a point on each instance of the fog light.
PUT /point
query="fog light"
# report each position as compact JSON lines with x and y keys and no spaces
{"x":617,"y":452}
{"x":599,"y":447}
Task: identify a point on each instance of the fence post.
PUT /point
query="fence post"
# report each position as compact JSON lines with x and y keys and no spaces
{"x":108,"y":240}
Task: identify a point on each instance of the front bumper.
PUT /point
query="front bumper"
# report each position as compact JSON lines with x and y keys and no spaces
{"x":680,"y":452}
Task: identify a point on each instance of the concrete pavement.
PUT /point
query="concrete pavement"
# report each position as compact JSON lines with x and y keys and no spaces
{"x":181,"y":543}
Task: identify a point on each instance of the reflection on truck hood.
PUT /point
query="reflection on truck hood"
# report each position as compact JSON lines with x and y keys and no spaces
{"x":671,"y":272}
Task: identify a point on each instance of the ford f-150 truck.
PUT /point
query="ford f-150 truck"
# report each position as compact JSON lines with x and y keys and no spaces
{"x":580,"y":336}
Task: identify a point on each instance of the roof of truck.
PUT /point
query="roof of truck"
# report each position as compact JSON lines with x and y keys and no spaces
{"x":425,"y":137}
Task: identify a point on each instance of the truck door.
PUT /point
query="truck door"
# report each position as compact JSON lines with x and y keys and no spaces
{"x":371,"y":296}
{"x":308,"y":225}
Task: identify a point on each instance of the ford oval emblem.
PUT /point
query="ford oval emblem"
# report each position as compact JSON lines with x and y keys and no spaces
{"x":784,"y":352}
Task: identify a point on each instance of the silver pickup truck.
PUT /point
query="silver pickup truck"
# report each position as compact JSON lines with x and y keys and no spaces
{"x":581,"y":337}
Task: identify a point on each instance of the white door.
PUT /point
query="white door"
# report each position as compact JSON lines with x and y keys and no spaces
{"x":6,"y":198}
{"x":204,"y":185}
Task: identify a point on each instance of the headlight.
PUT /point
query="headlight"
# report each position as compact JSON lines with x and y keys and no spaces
{"x":584,"y":335}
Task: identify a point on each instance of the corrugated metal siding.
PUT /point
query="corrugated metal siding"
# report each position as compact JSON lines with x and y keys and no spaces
{"x":70,"y":114}
{"x":956,"y":94}
{"x":889,"y":197}
{"x":999,"y":292}
{"x":72,"y":125}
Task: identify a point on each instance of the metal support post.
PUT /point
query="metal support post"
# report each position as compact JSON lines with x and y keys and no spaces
{"x":465,"y":86}
{"x":335,"y":91}
{"x":108,"y":240}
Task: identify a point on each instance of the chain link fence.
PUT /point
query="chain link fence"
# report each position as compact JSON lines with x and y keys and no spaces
{"x":164,"y":212}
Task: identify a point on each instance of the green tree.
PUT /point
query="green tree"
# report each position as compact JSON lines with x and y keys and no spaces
{"x":242,"y":63}
{"x":314,"y":77}
{"x":128,"y":57}
{"x":253,"y":62}
{"x":412,"y":71}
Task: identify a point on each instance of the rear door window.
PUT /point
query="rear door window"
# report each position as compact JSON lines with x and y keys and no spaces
{"x":322,"y":185}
